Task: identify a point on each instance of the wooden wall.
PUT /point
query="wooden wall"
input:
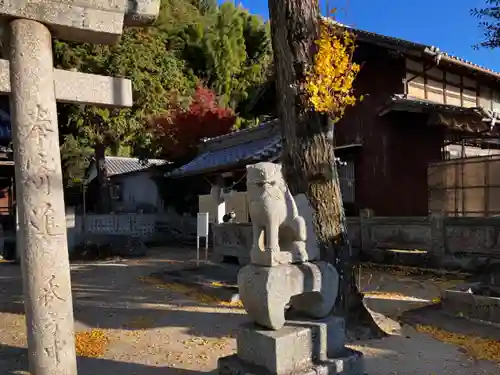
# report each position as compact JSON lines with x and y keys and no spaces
{"x":391,"y":165}
{"x":441,"y":86}
{"x":465,"y":187}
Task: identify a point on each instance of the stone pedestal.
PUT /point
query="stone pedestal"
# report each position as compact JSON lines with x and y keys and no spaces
{"x":309,"y":287}
{"x":300,"y":347}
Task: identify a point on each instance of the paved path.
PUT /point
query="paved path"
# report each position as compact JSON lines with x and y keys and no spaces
{"x":154,"y":330}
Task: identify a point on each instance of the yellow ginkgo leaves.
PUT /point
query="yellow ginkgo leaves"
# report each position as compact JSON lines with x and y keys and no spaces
{"x":91,"y":343}
{"x":329,"y":82}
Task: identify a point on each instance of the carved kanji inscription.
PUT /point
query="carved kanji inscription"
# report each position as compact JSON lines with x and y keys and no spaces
{"x":42,"y":126}
{"x":43,"y":219}
{"x":53,"y":348}
{"x":50,"y":291}
{"x":40,"y":180}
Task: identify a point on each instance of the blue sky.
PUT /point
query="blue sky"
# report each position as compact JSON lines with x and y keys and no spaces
{"x":446,"y":24}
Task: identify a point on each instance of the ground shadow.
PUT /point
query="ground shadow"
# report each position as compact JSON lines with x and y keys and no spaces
{"x":413,"y":353}
{"x":436,"y":316}
{"x":196,"y":323}
{"x":14,"y":360}
{"x":115,"y":296}
{"x":392,"y":291}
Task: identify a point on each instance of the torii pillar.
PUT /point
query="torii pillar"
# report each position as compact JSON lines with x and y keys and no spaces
{"x":34,"y":87}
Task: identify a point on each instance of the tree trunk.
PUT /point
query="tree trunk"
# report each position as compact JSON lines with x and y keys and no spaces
{"x":104,"y":201}
{"x":308,"y":152}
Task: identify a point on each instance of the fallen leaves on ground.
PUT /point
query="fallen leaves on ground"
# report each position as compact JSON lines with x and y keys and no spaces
{"x":395,"y":296}
{"x":91,"y":343}
{"x":202,"y":342}
{"x":385,"y":295}
{"x":475,"y":347}
{"x":197,"y":295}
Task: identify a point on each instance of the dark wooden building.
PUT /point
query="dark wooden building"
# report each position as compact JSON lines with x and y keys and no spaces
{"x":417,"y":101}
{"x":6,"y":160}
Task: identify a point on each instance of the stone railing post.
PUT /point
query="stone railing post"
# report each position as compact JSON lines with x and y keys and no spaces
{"x":438,"y":229}
{"x":365,"y":228}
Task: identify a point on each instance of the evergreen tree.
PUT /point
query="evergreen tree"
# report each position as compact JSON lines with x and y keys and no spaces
{"x":489,"y":17}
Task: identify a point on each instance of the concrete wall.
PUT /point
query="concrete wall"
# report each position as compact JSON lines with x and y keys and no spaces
{"x":447,"y":242}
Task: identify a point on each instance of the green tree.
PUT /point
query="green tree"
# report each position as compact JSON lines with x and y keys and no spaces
{"x":206,"y":6}
{"x":229,"y":50}
{"x":155,"y":72}
{"x":256,"y":70}
{"x":194,"y":41}
{"x":489,"y":20}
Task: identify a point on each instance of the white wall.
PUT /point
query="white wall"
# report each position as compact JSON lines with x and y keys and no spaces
{"x":138,"y":189}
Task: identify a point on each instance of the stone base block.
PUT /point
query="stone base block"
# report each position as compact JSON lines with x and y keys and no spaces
{"x":288,"y":350}
{"x":330,"y":332}
{"x":350,"y":363}
{"x":467,"y":301}
{"x":296,"y":348}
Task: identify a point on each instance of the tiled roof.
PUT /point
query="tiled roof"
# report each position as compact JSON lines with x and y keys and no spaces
{"x":389,"y":41}
{"x":116,"y":165}
{"x":231,"y":156}
{"x":465,"y":119}
{"x":401,"y":101}
{"x":237,"y":149}
{"x":239,"y":133}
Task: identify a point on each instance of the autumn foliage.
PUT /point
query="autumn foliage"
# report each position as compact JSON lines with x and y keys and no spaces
{"x":180,"y":131}
{"x":329,"y":83}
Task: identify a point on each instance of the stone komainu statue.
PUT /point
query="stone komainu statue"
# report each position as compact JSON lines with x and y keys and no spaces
{"x":277,"y":225}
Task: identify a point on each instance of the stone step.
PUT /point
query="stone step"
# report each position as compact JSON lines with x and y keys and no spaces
{"x":351,"y":363}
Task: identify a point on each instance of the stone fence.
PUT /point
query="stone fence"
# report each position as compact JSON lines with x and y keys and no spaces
{"x":476,"y":236}
{"x":157,"y":229}
{"x":434,"y":241}
{"x":150,"y":228}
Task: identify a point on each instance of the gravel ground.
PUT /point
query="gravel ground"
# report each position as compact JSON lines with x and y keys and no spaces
{"x":155,"y":330}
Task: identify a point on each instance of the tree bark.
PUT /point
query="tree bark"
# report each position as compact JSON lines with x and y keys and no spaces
{"x":104,"y":202}
{"x":308,"y":152}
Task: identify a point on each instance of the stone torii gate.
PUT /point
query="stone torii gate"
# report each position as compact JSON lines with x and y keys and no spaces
{"x":34,"y":86}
